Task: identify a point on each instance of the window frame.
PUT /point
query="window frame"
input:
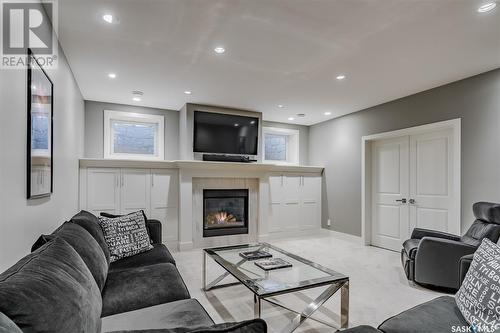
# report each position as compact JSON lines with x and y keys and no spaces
{"x":111,"y":116}
{"x":292,"y":144}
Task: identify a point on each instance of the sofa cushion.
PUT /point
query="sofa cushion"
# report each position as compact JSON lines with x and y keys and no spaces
{"x":7,"y":325}
{"x":88,"y":248}
{"x":247,"y":326}
{"x":126,"y":235}
{"x":90,"y":223}
{"x":410,"y":246}
{"x":51,"y":290}
{"x":140,"y":287}
{"x":437,"y":315}
{"x":478,"y":297}
{"x":159,"y":254}
{"x":184,"y":313}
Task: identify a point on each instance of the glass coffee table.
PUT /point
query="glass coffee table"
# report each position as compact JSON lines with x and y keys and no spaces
{"x":264,"y":284}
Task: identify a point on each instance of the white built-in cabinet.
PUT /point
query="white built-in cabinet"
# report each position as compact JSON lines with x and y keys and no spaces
{"x":125,"y":190}
{"x":295,"y":202}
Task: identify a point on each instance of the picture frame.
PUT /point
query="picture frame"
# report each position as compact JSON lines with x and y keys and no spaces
{"x":40,"y":134}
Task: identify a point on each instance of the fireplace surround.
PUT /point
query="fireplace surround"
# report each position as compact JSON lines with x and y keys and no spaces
{"x":225,"y":212}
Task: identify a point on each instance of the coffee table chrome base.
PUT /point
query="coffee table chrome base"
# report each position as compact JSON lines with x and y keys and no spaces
{"x":302,"y":316}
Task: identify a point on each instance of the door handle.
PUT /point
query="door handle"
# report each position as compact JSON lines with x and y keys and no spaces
{"x":402,"y":200}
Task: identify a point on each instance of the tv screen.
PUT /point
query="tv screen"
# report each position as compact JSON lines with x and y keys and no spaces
{"x":225,"y":133}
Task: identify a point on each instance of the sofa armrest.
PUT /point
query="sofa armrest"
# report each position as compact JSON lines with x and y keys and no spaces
{"x":437,"y":261}
{"x":154,"y":230}
{"x":465,"y":262}
{"x":419,"y":233}
{"x":248,"y":326}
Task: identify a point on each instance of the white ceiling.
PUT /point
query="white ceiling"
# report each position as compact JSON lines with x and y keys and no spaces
{"x":278,"y":51}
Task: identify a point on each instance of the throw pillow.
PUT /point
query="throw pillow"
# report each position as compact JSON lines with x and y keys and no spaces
{"x":479,"y":296}
{"x":104,"y":214}
{"x":125,"y":235}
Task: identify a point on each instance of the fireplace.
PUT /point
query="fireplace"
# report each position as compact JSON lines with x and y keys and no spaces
{"x":225,"y":212}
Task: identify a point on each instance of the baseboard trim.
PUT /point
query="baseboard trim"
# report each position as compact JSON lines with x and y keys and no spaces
{"x":343,"y":236}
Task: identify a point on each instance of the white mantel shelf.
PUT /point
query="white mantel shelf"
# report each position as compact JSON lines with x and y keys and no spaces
{"x":197,"y":165}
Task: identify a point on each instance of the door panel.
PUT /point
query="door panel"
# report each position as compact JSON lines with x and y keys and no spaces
{"x":135,"y":193}
{"x":431,"y":182}
{"x":103,"y":190}
{"x":390,"y":182}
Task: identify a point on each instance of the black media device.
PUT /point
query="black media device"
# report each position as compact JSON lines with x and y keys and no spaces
{"x":219,"y":133}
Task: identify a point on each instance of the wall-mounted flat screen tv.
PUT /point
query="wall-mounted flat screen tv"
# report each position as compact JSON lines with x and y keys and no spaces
{"x":225,"y":133}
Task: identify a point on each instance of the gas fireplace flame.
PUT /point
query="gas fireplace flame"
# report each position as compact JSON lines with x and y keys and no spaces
{"x":221,"y":218}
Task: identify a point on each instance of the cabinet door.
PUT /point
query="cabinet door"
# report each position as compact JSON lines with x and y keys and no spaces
{"x":164,"y":201}
{"x":291,"y":216}
{"x":276,"y":189}
{"x":310,"y":203}
{"x":103,"y":190}
{"x":292,"y":189}
{"x":135,"y":190}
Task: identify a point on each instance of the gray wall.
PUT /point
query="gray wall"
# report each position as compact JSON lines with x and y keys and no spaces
{"x":303,"y":138}
{"x":94,"y":127}
{"x":22,"y":221}
{"x":336,"y":144}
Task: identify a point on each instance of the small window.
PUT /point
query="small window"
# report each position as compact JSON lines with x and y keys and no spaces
{"x":281,"y":145}
{"x":133,"y":135}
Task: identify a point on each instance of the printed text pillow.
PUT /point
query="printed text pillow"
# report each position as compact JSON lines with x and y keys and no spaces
{"x":125,"y":235}
{"x":479,"y":296}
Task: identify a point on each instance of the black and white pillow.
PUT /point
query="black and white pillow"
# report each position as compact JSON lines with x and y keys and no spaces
{"x":125,"y":235}
{"x":479,"y":296}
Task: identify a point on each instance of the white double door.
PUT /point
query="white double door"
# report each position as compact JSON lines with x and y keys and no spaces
{"x":413,"y":186}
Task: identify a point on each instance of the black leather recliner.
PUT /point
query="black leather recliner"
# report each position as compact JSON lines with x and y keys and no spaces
{"x":434,"y":258}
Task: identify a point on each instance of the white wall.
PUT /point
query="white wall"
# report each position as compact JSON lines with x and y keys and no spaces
{"x":336,"y":144}
{"x":22,"y":220}
{"x":94,"y":127}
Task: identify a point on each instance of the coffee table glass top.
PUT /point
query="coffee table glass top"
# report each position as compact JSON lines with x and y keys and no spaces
{"x":303,"y":273}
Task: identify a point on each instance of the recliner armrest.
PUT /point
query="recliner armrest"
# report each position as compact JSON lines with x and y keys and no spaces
{"x":437,"y":261}
{"x":154,"y":230}
{"x":465,"y":262}
{"x":419,"y":233}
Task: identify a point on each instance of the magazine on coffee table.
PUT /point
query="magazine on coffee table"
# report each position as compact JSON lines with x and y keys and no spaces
{"x":254,"y":255}
{"x":273,"y":263}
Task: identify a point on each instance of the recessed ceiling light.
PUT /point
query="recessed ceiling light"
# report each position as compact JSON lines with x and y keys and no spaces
{"x":136,"y":99}
{"x":219,"y":50}
{"x":281,"y":106}
{"x":291,"y":118}
{"x":327,"y":113}
{"x":108,"y":18}
{"x":340,"y":77}
{"x":112,"y":75}
{"x":187,"y":92}
{"x":487,"y":7}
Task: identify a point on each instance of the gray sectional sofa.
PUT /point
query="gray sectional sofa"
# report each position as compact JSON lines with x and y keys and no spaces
{"x":438,"y":315}
{"x":67,"y":284}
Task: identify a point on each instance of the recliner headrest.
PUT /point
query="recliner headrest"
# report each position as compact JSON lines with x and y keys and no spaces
{"x":487,"y":212}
